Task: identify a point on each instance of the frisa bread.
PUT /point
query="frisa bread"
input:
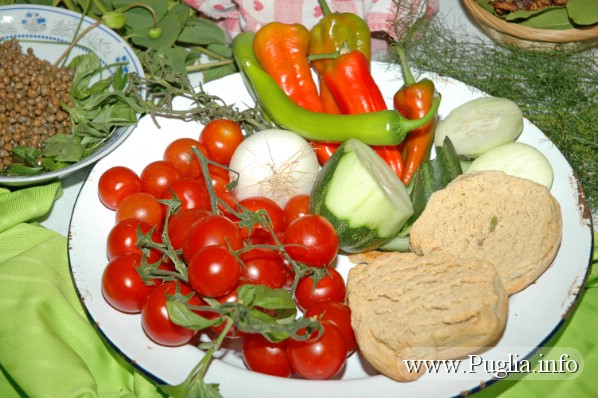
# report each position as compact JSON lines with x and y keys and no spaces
{"x":511,"y":222}
{"x":409,"y":307}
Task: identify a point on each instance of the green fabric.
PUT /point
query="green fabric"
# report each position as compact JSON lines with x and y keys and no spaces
{"x":580,"y":333}
{"x":48,"y":348}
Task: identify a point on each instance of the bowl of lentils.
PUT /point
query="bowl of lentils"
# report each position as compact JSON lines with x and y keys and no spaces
{"x":67,"y":96}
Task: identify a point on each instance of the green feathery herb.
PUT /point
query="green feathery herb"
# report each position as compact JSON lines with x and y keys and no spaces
{"x":557,"y":90}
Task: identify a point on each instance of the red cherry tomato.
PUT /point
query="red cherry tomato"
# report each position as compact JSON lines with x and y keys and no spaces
{"x":212,"y":230}
{"x":330,"y":287}
{"x":264,"y":356}
{"x":264,"y":267}
{"x":311,"y":240}
{"x":337,"y":313}
{"x":156,"y":321}
{"x":180,"y":223}
{"x":319,"y":357}
{"x":297,"y":206}
{"x":213,"y":271}
{"x":142,"y":206}
{"x":156,"y":176}
{"x":192,"y":193}
{"x":221,"y":137}
{"x":180,"y":153}
{"x":115,"y":184}
{"x":122,"y":239}
{"x":274,"y":211}
{"x":122,"y":285}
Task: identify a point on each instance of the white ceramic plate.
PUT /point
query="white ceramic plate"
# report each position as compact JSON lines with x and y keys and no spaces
{"x":534,"y":314}
{"x":49,"y":31}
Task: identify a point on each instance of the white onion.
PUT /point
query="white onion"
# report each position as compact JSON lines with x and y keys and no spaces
{"x":274,"y":163}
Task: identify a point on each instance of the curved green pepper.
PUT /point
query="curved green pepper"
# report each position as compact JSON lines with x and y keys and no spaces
{"x":387,"y":127}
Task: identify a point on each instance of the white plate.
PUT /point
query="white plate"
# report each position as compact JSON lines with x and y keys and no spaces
{"x":49,"y":31}
{"x":534,"y":315}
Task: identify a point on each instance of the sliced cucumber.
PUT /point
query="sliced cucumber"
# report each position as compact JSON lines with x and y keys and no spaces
{"x":516,"y":159}
{"x":361,"y":196}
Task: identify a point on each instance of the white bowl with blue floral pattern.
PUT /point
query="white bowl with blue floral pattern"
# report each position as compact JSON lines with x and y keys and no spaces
{"x":48,"y":31}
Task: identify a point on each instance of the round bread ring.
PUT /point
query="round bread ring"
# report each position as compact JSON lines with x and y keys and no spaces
{"x":434,"y":307}
{"x":512,"y":222}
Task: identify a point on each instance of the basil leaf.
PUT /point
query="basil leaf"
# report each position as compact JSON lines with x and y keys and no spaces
{"x":63,"y":148}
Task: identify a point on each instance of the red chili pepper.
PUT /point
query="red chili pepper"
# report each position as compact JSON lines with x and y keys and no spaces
{"x":281,"y":50}
{"x":355,"y":91}
{"x":413,"y":100}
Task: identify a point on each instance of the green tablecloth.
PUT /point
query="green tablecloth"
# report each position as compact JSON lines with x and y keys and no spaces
{"x":48,"y":348}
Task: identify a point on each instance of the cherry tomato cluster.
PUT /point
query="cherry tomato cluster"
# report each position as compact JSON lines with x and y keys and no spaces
{"x":221,"y":252}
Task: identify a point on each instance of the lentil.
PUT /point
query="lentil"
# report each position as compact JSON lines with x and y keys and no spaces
{"x":31,"y":90}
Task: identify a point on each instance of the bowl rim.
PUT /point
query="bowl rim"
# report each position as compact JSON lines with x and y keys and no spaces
{"x":525,"y":32}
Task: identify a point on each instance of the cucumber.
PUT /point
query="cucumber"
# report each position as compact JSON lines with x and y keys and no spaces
{"x":361,"y":196}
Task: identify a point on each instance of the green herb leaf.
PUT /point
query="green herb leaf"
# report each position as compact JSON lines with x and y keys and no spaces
{"x":553,"y":18}
{"x":583,"y":12}
{"x":141,"y":16}
{"x":201,"y":31}
{"x":172,"y":25}
{"x":63,"y":148}
{"x":265,"y":297}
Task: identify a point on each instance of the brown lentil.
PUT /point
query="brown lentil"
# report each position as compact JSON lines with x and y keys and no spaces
{"x":31,"y":90}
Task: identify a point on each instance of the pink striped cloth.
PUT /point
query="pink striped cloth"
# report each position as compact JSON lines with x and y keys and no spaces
{"x":235,"y":16}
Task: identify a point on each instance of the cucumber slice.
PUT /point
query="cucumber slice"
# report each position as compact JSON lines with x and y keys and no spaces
{"x":361,"y":196}
{"x":516,"y":159}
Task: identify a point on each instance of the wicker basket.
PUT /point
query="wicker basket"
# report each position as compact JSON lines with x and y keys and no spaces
{"x":509,"y":33}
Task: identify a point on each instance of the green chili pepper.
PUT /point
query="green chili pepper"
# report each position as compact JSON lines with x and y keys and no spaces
{"x":387,"y":127}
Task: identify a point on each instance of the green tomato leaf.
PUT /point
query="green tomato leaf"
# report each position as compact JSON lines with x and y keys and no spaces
{"x":180,"y":314}
{"x":265,"y":297}
{"x":583,"y":12}
{"x":201,"y":31}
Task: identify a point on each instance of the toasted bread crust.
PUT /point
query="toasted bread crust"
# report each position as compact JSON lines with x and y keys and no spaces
{"x":437,"y":306}
{"x":512,"y":222}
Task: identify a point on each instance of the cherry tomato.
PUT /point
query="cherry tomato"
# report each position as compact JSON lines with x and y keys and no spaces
{"x":297,"y":206}
{"x":264,"y":356}
{"x":180,"y":223}
{"x":311,"y":240}
{"x":330,"y":287}
{"x":212,"y":230}
{"x":180,"y":153}
{"x":318,"y":357}
{"x":274,"y":211}
{"x":214,"y":271}
{"x":156,"y":176}
{"x":221,"y":137}
{"x":122,"y":285}
{"x":156,"y":321}
{"x":264,"y":267}
{"x":192,"y":193}
{"x":337,"y":313}
{"x":115,"y":184}
{"x":122,"y":239}
{"x":142,"y":206}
